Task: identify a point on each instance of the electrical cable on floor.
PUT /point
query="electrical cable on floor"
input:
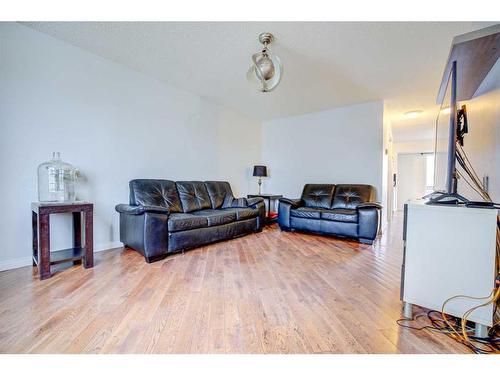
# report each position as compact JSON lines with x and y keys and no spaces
{"x":463,"y":337}
{"x":479,"y":345}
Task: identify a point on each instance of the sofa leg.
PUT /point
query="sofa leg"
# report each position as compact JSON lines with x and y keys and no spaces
{"x":155,"y":258}
{"x":366,"y":241}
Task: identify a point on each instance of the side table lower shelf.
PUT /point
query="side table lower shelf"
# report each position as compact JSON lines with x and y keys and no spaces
{"x":61,"y":256}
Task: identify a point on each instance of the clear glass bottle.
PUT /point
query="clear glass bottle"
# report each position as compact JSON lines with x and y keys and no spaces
{"x":56,"y":180}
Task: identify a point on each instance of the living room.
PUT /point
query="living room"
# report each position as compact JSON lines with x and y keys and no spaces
{"x":248,"y":187}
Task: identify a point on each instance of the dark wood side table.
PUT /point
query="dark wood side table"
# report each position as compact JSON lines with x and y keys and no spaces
{"x":269,"y":198}
{"x":42,"y":256}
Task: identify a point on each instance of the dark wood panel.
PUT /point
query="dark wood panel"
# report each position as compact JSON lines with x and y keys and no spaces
{"x":88,"y":261}
{"x":57,"y":208}
{"x":43,"y":259}
{"x":66,"y":255}
{"x":475,"y":54}
{"x":77,"y":229}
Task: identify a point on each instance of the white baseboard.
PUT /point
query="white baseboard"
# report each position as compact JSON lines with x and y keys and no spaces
{"x":11,"y":264}
{"x":107,"y":246}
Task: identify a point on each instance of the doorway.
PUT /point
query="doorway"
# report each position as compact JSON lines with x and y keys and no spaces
{"x":415,"y":177}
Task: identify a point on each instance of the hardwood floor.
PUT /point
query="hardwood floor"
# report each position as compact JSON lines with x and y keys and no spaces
{"x":272,"y":292}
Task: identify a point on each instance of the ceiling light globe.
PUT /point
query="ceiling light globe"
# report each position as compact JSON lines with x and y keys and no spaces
{"x":265,"y":68}
{"x":413,"y":114}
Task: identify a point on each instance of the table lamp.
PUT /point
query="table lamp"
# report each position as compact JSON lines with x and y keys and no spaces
{"x":260,"y":171}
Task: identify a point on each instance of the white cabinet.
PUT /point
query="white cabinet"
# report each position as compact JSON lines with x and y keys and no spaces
{"x":449,"y":251}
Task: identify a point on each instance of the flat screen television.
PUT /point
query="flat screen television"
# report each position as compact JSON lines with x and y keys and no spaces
{"x":445,"y":175}
{"x":441,"y":142}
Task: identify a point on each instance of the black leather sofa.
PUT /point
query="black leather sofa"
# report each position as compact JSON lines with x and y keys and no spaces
{"x":341,"y":210}
{"x":164,"y":216}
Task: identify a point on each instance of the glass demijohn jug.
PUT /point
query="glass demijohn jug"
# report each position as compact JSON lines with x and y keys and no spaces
{"x":56,"y":180}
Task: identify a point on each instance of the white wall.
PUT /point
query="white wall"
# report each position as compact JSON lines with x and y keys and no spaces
{"x":342,"y":145}
{"x":113,"y":123}
{"x":412,"y":147}
{"x":482,"y":143}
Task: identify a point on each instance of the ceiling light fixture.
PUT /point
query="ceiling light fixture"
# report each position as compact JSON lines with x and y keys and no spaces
{"x":446,"y":111}
{"x":413,"y":114}
{"x":266,"y":69}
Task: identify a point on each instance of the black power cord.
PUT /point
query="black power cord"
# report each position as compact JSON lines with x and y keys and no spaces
{"x":478,"y":345}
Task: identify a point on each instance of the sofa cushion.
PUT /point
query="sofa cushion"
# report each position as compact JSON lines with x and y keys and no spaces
{"x":301,"y":223}
{"x":243,"y":213}
{"x":193,"y":195}
{"x":349,"y":196}
{"x":191,"y":238}
{"x":216,"y":217}
{"x":219,"y":192}
{"x":306,"y":212}
{"x":318,"y":195}
{"x":180,"y":221}
{"x":338,"y":228}
{"x":149,"y":192}
{"x":340,"y":214}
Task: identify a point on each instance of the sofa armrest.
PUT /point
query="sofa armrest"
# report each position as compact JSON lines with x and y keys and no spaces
{"x":246,"y":202}
{"x":284,"y":208}
{"x":258,"y":203}
{"x":294,"y":203}
{"x":252,"y":202}
{"x":145,"y":229}
{"x":370,"y":205}
{"x":139,"y":210}
{"x":239,"y":203}
{"x":368,"y":221}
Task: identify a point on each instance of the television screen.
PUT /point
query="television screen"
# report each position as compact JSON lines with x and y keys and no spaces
{"x":442,"y":142}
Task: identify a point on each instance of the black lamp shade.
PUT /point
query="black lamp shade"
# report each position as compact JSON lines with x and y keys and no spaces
{"x":260,"y":171}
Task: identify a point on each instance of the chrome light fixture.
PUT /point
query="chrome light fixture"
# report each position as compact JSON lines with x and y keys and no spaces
{"x":266,"y":69}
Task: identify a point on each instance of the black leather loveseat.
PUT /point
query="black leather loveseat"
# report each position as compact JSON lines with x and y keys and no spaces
{"x":166,"y":216}
{"x":342,"y":210}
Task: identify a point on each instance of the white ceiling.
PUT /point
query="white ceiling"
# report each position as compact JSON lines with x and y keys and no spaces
{"x":326,"y":64}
